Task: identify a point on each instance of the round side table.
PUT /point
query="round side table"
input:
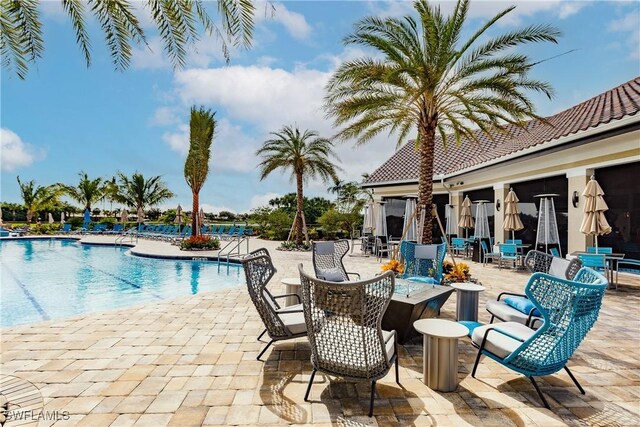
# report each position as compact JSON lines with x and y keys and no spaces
{"x":440,"y":358}
{"x":292,"y":286}
{"x":467,"y":305}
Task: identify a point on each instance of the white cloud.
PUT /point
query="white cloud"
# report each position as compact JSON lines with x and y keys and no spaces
{"x":178,"y":141}
{"x":165,"y":116}
{"x":630,"y":24}
{"x":294,"y":22}
{"x":15,"y":153}
{"x":202,"y":53}
{"x":262,"y":200}
{"x":266,"y":60}
{"x":150,"y":56}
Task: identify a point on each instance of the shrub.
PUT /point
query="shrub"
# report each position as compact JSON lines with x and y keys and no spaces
{"x":108,"y":220}
{"x":75,"y":221}
{"x":45,"y":229}
{"x":291,"y":246}
{"x":200,"y":242}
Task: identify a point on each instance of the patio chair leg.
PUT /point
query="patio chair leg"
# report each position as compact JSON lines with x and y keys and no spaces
{"x":264,"y":349}
{"x":306,"y":395}
{"x":475,"y":365}
{"x":397,"y":369}
{"x":260,"y":336}
{"x":575,"y":381}
{"x":492,"y":318}
{"x":544,"y":401}
{"x":373,"y":396}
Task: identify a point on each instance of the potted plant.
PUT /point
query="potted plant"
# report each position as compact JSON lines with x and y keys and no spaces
{"x":457,"y":273}
{"x":394,"y":265}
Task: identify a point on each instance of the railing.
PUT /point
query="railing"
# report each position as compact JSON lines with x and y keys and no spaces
{"x":233,"y":247}
{"x":127,"y":238}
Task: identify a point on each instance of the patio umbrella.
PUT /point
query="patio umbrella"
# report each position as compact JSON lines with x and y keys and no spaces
{"x":450,"y":217}
{"x":86,"y":216}
{"x":594,"y":222}
{"x":61,"y":217}
{"x":410,"y":226}
{"x":466,"y":219}
{"x":200,"y":218}
{"x":369,"y":222}
{"x":512,"y":221}
{"x":547,"y":223}
{"x":124,"y":215}
{"x":381,"y":220}
{"x":50,"y":218}
{"x":179,"y":215}
{"x":482,"y":220}
{"x":140,"y":215}
{"x":0,"y":216}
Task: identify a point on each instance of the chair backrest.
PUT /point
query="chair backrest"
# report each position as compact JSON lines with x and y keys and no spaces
{"x":601,"y":250}
{"x":258,"y":271}
{"x":418,"y":261}
{"x":485,"y":250}
{"x":541,"y":262}
{"x":592,"y":260}
{"x":514,"y":241}
{"x":554,"y":251}
{"x":343,"y":325}
{"x":508,"y":249}
{"x":457,"y":242}
{"x":327,"y":260}
{"x":569,"y":309}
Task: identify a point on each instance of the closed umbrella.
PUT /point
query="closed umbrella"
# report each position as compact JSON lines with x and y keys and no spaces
{"x":200,"y":218}
{"x":410,"y":226}
{"x":62,"y":218}
{"x":381,"y":220}
{"x":0,"y":216}
{"x":512,"y":221}
{"x":482,"y":220}
{"x":124,"y":215}
{"x":466,"y":219}
{"x":369,"y":221}
{"x":594,"y":222}
{"x":140,"y":215}
{"x":86,"y":216}
{"x":179,"y":215}
{"x":450,"y":217}
{"x":50,"y":218}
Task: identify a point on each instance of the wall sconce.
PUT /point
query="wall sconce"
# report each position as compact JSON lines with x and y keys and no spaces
{"x":575,"y":199}
{"x":498,"y":205}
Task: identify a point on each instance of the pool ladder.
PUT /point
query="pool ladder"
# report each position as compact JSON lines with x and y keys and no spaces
{"x":132,"y":237}
{"x":235,"y":249}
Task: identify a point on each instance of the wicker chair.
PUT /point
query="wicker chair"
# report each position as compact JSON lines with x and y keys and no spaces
{"x":280,"y":323}
{"x":423,"y":260}
{"x":327,"y":260}
{"x":535,"y":262}
{"x":343,"y":320}
{"x":569,"y":308}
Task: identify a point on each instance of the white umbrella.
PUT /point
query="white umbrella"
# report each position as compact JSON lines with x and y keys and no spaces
{"x":410,"y":226}
{"x":0,"y":216}
{"x":512,"y":221}
{"x":594,"y":222}
{"x":200,"y":218}
{"x":369,"y":219}
{"x":466,"y":219}
{"x":124,"y":215}
{"x":61,"y":217}
{"x":381,"y":220}
{"x":482,"y":220}
{"x":50,"y":218}
{"x":450,"y":216}
{"x":140,"y":215}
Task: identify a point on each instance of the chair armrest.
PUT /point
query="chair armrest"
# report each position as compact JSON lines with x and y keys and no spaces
{"x":511,"y":294}
{"x":285,"y":311}
{"x":288,"y":295}
{"x":533,"y":320}
{"x":354,"y":274}
{"x":393,"y":335}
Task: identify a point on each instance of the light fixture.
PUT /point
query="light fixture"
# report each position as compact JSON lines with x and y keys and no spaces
{"x":575,"y":199}
{"x":498,"y":205}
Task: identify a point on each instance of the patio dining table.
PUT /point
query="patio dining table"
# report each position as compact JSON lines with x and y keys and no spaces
{"x":610,"y":259}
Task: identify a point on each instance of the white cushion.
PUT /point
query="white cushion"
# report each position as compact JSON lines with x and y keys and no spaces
{"x":426,"y":251}
{"x":293,"y":321}
{"x":324,"y":248}
{"x":507,"y":313}
{"x":389,"y":340}
{"x":558,"y":267}
{"x":499,"y":344}
{"x":331,"y":275}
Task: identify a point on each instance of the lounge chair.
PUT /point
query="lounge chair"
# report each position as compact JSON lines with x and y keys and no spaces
{"x":66,"y":228}
{"x":327,"y":260}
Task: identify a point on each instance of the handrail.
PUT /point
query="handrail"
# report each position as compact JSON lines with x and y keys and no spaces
{"x":237,"y":245}
{"x":120,"y":239}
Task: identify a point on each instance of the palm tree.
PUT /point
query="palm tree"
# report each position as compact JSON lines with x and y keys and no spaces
{"x":306,"y":154}
{"x":196,"y":167}
{"x":87,"y":192}
{"x":138,"y":192}
{"x":336,"y":187}
{"x":36,"y":197}
{"x":428,"y":79}
{"x":177,"y":21}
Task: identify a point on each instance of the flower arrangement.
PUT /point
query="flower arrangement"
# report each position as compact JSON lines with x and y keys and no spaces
{"x":458,"y":273}
{"x":200,"y":242}
{"x":395,"y":266}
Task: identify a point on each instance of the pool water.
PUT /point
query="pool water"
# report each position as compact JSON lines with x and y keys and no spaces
{"x":51,"y":279}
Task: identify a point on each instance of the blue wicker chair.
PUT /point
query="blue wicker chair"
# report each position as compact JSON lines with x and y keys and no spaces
{"x":423,"y":260}
{"x":569,"y":309}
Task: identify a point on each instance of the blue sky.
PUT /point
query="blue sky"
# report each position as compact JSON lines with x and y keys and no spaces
{"x":65,"y":118}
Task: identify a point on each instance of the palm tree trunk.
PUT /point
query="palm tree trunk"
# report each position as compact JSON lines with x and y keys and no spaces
{"x":195,"y":209}
{"x":425,"y":186}
{"x":299,"y":209}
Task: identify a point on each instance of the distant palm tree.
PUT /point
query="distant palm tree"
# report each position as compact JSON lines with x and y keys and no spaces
{"x":196,"y":166}
{"x":37,"y":198}
{"x":177,"y":21}
{"x":87,"y":192}
{"x":426,"y":78}
{"x":138,"y":192}
{"x":306,"y":154}
{"x":336,"y":187}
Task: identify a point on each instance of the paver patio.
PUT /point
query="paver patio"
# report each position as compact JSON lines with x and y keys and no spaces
{"x":191,"y":361}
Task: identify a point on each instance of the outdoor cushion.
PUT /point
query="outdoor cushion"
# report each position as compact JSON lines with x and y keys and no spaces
{"x":295,"y":307}
{"x":324,"y":248}
{"x":500,"y":344}
{"x":422,"y":279}
{"x":426,"y":251}
{"x":506,"y":313}
{"x":331,"y":275}
{"x":293,"y":321}
{"x":389,"y":344}
{"x":522,"y":304}
{"x":558,"y":267}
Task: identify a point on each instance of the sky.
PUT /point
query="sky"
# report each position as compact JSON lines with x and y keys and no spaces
{"x":66,"y":118}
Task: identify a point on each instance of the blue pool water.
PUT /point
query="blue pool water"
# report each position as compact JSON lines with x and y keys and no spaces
{"x":51,"y":279}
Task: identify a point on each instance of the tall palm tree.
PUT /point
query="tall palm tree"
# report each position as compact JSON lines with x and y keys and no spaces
{"x":428,"y":79}
{"x":306,"y":154}
{"x":87,"y":192}
{"x":196,"y":167}
{"x":138,"y":192}
{"x":37,"y":197}
{"x":177,"y":21}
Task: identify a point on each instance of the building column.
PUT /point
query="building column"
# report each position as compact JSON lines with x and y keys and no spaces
{"x":455,"y":199}
{"x":577,"y":181}
{"x":500,"y":191}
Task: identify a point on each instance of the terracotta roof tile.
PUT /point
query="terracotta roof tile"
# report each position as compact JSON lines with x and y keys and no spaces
{"x":614,"y":104}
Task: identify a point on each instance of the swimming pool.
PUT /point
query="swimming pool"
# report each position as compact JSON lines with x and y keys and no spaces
{"x":51,"y":279}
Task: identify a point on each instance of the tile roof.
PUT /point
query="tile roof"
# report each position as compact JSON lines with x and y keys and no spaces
{"x":614,"y":104}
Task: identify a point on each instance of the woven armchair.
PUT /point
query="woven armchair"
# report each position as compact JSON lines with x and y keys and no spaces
{"x":535,"y":262}
{"x":569,"y":308}
{"x":327,"y":260}
{"x":423,"y":260}
{"x":280,"y":323}
{"x":343,"y":321}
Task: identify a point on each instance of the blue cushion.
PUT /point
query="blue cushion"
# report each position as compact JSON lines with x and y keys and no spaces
{"x":422,"y":279}
{"x":522,"y":304}
{"x":331,"y":275}
{"x":470,"y":324}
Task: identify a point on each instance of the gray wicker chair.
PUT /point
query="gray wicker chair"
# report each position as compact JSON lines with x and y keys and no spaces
{"x":535,"y":262}
{"x":280,"y":323}
{"x":343,"y":324}
{"x":327,"y":260}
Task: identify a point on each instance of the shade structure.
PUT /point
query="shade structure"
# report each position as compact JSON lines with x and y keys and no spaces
{"x":451,"y":226}
{"x":410,"y":226}
{"x":594,"y":222}
{"x":124,"y":215}
{"x":62,"y":218}
{"x":481,"y":230}
{"x":369,"y":222}
{"x":86,"y":216}
{"x":50,"y":218}
{"x":381,"y":220}
{"x":512,"y":221}
{"x":466,"y":218}
{"x":547,"y":234}
{"x":140,"y":215}
{"x":179,"y":216}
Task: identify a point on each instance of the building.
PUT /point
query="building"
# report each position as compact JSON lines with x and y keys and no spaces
{"x":599,"y":136}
